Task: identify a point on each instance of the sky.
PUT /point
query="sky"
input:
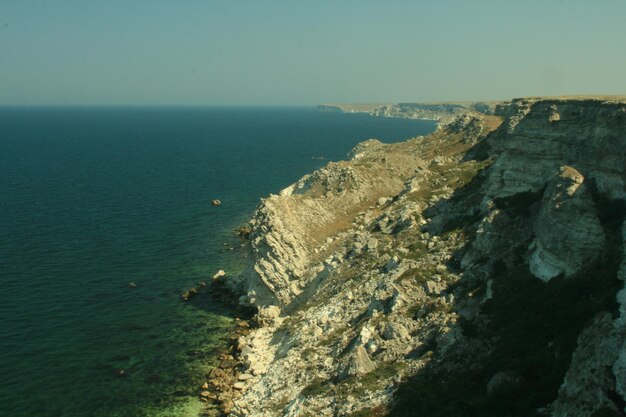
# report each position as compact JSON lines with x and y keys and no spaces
{"x":236,"y":52}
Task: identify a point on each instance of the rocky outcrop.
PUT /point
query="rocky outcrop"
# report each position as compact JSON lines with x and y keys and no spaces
{"x":410,"y":271}
{"x":596,"y":379}
{"x":567,"y":229}
{"x":293,"y":232}
{"x":541,"y":135}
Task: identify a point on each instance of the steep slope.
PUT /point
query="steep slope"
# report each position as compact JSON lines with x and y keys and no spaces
{"x":471,"y":272}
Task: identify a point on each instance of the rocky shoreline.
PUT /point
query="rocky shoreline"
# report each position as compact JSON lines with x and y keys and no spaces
{"x":484,"y":263}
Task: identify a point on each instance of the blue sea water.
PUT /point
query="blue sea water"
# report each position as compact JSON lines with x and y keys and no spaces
{"x":92,"y":199}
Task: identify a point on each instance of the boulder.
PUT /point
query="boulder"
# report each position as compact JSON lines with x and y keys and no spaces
{"x":395,"y":331}
{"x":432,"y":288}
{"x":358,"y":363}
{"x":188,"y":294}
{"x":267,"y":316}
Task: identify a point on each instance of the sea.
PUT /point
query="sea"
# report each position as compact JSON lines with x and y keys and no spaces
{"x":106,"y":217}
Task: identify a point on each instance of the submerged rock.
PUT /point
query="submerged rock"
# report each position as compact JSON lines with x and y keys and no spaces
{"x":218,"y":275}
{"x":188,"y":294}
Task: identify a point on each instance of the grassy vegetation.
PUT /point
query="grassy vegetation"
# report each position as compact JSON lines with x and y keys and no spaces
{"x":416,"y":249}
{"x":374,"y":380}
{"x":418,"y":275}
{"x":317,"y":387}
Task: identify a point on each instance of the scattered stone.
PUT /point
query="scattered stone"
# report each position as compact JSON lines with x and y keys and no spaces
{"x":267,"y":316}
{"x":392,"y":264}
{"x":226,"y":407}
{"x":432,"y":288}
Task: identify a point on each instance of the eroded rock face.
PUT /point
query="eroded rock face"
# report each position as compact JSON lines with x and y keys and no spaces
{"x":619,"y":367}
{"x":542,"y":135}
{"x":621,"y":275}
{"x":568,"y":232}
{"x":290,"y":232}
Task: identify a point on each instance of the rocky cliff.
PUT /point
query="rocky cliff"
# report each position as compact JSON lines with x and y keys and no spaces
{"x":475,"y":271}
{"x":442,"y":112}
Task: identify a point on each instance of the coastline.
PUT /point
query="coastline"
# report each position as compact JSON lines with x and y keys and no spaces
{"x":440,"y":112}
{"x":362,"y":283}
{"x":126,"y":227}
{"x":227,"y":384}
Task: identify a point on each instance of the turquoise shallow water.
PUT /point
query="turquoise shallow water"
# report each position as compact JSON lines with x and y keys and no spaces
{"x":92,"y":199}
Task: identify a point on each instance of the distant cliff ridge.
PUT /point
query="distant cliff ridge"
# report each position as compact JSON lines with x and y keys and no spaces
{"x":478,"y":270}
{"x":443,"y":112}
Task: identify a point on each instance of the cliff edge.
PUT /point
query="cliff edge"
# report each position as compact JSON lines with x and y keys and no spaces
{"x":475,"y":271}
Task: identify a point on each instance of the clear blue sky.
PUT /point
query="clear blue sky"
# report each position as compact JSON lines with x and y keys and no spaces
{"x":306,"y":52}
